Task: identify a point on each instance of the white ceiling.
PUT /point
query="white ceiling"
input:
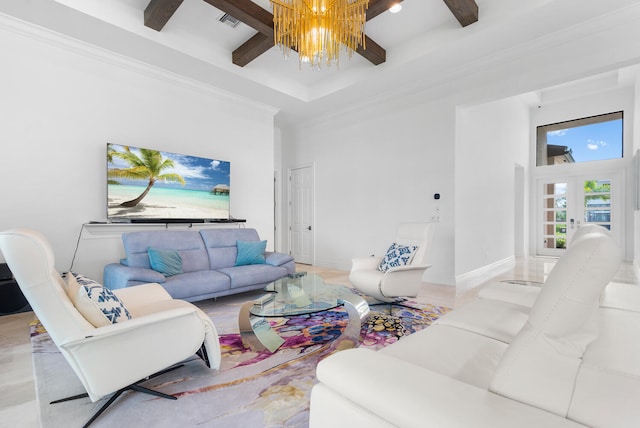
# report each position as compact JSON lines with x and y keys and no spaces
{"x":427,"y":49}
{"x":195,"y":29}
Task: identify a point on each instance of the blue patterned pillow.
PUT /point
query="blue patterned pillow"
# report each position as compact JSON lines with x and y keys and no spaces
{"x":397,"y":255}
{"x":96,"y":303}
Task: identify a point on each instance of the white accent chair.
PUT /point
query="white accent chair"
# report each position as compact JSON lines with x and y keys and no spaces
{"x":398,"y":282}
{"x":162,"y":331}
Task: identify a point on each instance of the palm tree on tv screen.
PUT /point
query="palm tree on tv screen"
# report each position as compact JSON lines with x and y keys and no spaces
{"x":148,"y":166}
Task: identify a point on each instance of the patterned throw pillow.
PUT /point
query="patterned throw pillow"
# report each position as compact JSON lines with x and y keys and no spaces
{"x":397,"y":255}
{"x":96,"y":303}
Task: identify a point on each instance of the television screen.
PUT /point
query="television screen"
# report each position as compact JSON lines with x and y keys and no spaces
{"x":150,"y":185}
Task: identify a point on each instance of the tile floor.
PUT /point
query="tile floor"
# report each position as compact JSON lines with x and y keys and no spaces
{"x":18,"y":407}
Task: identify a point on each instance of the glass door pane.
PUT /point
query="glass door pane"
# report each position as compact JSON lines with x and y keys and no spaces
{"x":597,"y":202}
{"x":554,"y":225}
{"x":571,"y":202}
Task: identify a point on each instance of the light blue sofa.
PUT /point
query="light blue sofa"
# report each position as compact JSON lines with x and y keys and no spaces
{"x":208,"y":263}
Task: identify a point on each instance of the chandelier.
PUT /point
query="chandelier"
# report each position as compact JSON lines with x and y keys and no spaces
{"x":318,"y":29}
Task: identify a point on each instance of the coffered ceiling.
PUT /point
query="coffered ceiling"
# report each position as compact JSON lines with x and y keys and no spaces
{"x":256,"y":15}
{"x":193,"y":27}
{"x":429,"y":48}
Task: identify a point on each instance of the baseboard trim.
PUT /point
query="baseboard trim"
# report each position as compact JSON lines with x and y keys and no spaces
{"x":472,"y":279}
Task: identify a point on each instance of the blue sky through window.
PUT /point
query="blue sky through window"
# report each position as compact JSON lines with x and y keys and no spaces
{"x":596,"y":141}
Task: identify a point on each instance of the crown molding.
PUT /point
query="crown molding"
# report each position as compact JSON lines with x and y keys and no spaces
{"x":43,"y":35}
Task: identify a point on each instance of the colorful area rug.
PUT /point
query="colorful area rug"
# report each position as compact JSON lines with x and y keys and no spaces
{"x":251,"y":389}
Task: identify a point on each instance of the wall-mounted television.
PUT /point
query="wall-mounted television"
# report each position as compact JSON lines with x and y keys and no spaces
{"x":146,"y":185}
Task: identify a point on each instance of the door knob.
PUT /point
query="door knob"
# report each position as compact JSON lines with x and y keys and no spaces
{"x":309,"y":227}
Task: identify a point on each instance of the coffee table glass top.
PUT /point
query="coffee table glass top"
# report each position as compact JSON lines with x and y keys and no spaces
{"x":296,"y":296}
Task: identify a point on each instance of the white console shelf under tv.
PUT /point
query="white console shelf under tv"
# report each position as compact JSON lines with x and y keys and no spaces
{"x":101,"y":243}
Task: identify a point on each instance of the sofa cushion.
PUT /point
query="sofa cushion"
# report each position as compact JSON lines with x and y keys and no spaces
{"x":167,"y":262}
{"x":401,"y":394}
{"x":541,"y":364}
{"x":227,"y":237}
{"x":250,"y":253}
{"x":241,"y":276}
{"x":397,"y":255}
{"x":457,"y":353}
{"x":221,"y":245}
{"x":512,"y":292}
{"x":608,"y":382}
{"x":621,"y":296}
{"x":187,"y":243}
{"x":193,"y":284}
{"x":491,"y":318}
{"x":96,"y":303}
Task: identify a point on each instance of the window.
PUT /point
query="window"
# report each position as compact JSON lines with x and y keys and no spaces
{"x":582,"y":140}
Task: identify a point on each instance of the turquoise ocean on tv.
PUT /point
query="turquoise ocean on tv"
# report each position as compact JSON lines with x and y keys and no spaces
{"x":164,"y":202}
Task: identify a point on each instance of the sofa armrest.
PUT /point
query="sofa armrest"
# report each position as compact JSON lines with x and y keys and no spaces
{"x":407,"y":268}
{"x":366,"y":380}
{"x":146,"y":299}
{"x":117,"y":275}
{"x":182,"y":332}
{"x":403,"y":280}
{"x":365,"y":263}
{"x":277,"y":259}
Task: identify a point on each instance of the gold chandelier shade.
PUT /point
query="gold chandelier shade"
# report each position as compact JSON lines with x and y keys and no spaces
{"x":318,"y":29}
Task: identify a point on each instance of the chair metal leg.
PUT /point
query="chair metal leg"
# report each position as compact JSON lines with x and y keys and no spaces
{"x":139,"y":388}
{"x":134,"y":387}
{"x":73,"y":397}
{"x":397,"y":302}
{"x":202,"y":353}
{"x":104,"y":407}
{"x":114,"y":397}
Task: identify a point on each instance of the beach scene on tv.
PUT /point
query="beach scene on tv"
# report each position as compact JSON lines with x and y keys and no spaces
{"x":150,"y":184}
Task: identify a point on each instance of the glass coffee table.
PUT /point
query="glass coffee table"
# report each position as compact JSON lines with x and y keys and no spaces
{"x":297,"y":294}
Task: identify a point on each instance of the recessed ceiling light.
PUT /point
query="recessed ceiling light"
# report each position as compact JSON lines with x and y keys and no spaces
{"x":395,"y":8}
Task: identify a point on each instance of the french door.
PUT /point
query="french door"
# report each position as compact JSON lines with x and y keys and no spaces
{"x":566,"y":204}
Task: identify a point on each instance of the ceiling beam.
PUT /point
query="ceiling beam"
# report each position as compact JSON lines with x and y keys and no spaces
{"x":158,"y":13}
{"x":374,"y":52}
{"x":465,"y":11}
{"x":251,"y":49}
{"x":248,"y":12}
{"x":376,"y":7}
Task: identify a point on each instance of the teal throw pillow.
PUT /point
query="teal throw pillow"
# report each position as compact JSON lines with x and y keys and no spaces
{"x":250,"y":253}
{"x":167,"y":262}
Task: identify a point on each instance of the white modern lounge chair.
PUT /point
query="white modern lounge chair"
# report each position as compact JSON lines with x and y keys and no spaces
{"x":398,"y":274}
{"x":110,"y":359}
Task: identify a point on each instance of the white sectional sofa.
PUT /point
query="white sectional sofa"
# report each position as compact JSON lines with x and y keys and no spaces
{"x":566,"y":354}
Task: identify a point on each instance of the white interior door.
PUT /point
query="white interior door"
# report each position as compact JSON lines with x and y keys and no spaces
{"x":566,"y":204}
{"x":301,"y":214}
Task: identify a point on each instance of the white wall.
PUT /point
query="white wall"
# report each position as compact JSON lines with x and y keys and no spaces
{"x":635,"y":182}
{"x":63,"y":101}
{"x":378,"y":167}
{"x":375,"y":169}
{"x":491,"y":140}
